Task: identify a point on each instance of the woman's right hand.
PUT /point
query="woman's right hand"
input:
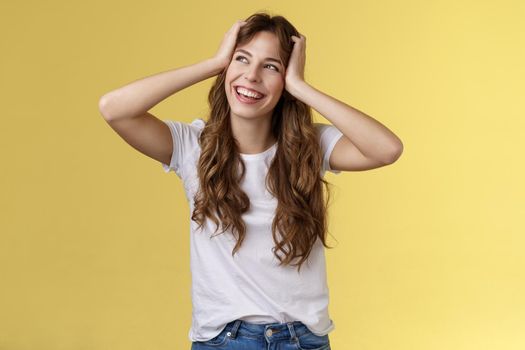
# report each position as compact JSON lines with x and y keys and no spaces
{"x":225,"y":52}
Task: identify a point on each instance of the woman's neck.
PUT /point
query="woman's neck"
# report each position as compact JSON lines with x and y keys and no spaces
{"x":253,"y":135}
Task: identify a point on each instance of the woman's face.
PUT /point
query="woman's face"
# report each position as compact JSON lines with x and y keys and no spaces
{"x":253,"y":68}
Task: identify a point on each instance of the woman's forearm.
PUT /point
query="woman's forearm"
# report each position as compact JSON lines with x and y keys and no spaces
{"x":371,"y":137}
{"x":138,"y":97}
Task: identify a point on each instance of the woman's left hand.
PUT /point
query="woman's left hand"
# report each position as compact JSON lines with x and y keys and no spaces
{"x":295,"y":70}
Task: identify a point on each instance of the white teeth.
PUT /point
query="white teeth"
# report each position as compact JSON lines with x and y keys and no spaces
{"x":248,"y":93}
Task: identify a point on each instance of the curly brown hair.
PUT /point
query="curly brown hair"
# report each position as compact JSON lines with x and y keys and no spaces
{"x":294,"y":176}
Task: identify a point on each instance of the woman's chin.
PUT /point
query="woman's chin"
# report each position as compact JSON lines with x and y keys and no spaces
{"x":241,"y":113}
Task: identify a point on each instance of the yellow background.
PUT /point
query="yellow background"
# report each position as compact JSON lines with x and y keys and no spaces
{"x":94,"y":236}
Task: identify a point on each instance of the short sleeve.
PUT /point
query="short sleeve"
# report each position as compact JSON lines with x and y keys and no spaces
{"x":329,"y":135}
{"x":185,"y":138}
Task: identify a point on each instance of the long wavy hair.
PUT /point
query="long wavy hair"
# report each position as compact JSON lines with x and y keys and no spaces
{"x":293,"y":178}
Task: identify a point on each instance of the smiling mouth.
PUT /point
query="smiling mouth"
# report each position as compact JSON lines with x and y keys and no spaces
{"x":247,"y":99}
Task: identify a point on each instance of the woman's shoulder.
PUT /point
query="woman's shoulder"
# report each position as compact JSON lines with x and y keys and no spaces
{"x":321,"y":127}
{"x":198,"y":123}
{"x":186,"y":130}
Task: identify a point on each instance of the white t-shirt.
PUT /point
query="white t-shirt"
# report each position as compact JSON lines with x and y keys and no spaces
{"x":248,"y":286}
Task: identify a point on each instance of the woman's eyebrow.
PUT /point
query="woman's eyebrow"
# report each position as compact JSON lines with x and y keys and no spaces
{"x":267,"y":58}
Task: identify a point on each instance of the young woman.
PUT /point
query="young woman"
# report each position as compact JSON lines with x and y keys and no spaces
{"x":253,"y":176}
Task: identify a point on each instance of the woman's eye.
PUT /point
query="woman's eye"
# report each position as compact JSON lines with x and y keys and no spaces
{"x":239,"y":58}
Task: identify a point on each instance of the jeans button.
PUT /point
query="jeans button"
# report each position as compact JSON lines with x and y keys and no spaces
{"x":269,"y":332}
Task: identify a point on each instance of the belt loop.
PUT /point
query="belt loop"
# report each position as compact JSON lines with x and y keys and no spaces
{"x":292,"y":330}
{"x":236,"y":325}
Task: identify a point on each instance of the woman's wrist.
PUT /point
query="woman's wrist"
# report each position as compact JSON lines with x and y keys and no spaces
{"x":219,"y":64}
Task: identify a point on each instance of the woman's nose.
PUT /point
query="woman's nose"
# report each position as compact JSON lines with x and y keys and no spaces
{"x":252,"y":73}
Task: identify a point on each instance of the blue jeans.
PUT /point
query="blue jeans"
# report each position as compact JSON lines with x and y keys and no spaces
{"x":242,"y":335}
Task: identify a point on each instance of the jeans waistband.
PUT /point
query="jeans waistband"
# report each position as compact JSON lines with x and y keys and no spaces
{"x":270,"y":331}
